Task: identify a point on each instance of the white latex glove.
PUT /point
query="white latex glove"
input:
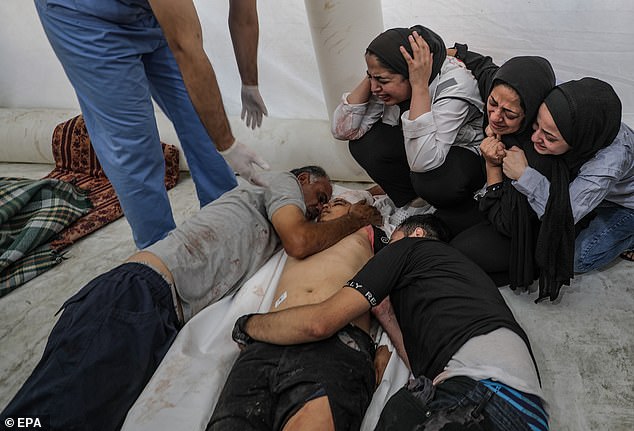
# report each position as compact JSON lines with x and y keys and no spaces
{"x":243,"y":161}
{"x":252,"y":106}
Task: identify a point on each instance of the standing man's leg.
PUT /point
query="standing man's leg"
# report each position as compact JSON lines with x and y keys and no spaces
{"x":608,"y":235}
{"x":211,"y":174}
{"x":103,"y":62}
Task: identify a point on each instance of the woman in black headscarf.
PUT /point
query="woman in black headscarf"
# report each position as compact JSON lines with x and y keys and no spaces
{"x":602,"y":191}
{"x":576,"y":120}
{"x":416,"y":111}
{"x":513,"y":94}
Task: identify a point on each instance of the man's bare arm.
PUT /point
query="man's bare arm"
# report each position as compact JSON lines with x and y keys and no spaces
{"x":301,"y":237}
{"x":181,"y":26}
{"x":381,"y":359}
{"x":384,"y":313}
{"x":244,"y":29}
{"x":308,"y":323}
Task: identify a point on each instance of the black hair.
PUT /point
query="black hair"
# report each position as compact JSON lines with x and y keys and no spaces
{"x":314,"y":171}
{"x":435,"y":227}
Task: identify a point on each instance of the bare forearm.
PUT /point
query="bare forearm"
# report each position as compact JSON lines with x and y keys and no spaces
{"x":318,"y":236}
{"x":181,"y":26}
{"x":361,"y":93}
{"x":494,"y":174}
{"x":289,"y":326}
{"x":420,"y":103}
{"x":397,"y":340}
{"x":301,"y":237}
{"x":381,"y":359}
{"x":308,"y":323}
{"x":202,"y":86}
{"x":384,"y":313}
{"x":244,"y":29}
{"x":329,"y":233}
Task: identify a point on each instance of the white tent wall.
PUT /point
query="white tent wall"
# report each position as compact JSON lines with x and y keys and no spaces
{"x":583,"y":344}
{"x":579,"y":37}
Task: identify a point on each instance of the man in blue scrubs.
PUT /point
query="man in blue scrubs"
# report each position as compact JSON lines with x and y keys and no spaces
{"x":121,"y":54}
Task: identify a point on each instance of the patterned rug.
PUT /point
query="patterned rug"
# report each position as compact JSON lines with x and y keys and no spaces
{"x":76,"y":163}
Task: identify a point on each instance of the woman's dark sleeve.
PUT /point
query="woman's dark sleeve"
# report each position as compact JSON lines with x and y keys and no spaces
{"x":482,"y":68}
{"x":496,"y":204}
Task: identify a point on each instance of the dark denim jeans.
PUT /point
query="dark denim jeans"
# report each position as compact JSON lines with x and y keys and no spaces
{"x":459,"y":403}
{"x":101,"y":353}
{"x":609,"y":234}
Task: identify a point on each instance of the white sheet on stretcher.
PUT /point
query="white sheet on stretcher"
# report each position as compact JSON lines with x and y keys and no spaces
{"x":184,"y":390}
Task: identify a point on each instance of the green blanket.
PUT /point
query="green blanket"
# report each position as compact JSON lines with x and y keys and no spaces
{"x":32,"y":213}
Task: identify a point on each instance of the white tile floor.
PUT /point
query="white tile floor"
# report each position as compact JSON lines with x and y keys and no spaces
{"x":584,"y":344}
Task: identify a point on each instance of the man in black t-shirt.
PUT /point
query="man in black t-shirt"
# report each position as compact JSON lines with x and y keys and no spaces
{"x":457,"y":331}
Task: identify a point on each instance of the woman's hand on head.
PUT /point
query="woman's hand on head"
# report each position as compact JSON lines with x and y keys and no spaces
{"x":515,"y":163}
{"x":420,"y":64}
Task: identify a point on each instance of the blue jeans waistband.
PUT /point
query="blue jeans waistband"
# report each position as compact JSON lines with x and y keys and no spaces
{"x":528,"y":405}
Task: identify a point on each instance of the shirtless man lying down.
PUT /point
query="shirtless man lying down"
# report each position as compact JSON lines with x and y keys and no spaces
{"x":324,"y":385}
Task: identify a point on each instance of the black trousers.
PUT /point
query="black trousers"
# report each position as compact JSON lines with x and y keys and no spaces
{"x":381,"y":152}
{"x":488,"y":248}
{"x":101,"y":353}
{"x":449,"y":188}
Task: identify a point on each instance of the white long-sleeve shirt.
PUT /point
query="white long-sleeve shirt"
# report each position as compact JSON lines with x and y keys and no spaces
{"x":428,"y":138}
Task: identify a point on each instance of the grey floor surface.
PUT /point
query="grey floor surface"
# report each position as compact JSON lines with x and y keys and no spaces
{"x":583,"y":343}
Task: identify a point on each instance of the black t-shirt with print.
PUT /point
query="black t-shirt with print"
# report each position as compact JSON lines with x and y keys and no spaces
{"x":441,"y":299}
{"x":381,"y":239}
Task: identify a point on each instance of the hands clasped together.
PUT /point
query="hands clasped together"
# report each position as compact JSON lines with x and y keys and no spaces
{"x":512,"y":161}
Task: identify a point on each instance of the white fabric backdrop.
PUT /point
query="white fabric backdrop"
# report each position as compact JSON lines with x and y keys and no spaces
{"x":579,"y":37}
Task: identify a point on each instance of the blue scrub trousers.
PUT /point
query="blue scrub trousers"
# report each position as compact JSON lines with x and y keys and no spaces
{"x":117,"y":66}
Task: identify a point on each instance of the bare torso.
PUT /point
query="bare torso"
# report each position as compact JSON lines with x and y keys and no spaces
{"x":317,"y":277}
